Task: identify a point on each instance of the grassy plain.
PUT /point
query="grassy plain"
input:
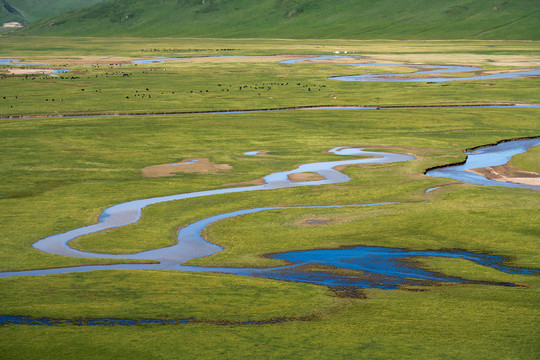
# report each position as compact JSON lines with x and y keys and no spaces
{"x":237,"y":83}
{"x":529,"y":161}
{"x":60,"y":173}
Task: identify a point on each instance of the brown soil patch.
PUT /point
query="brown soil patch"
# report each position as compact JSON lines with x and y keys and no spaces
{"x":508,"y":173}
{"x":20,"y":71}
{"x":307,"y":176}
{"x":186,"y":166}
{"x":329,"y":269}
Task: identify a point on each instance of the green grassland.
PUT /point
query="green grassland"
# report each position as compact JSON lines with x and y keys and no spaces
{"x":529,"y":161}
{"x":245,"y":83}
{"x":311,"y":19}
{"x":58,"y":174}
{"x":8,"y":13}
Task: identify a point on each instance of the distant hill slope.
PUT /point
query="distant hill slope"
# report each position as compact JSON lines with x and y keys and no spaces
{"x":9,"y":13}
{"x":357,"y":19}
{"x":28,"y":11}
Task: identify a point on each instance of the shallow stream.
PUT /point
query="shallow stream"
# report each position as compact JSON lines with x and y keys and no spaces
{"x":358,"y":266}
{"x":341,"y":269}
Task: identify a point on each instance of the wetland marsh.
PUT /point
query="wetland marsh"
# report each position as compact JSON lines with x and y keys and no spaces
{"x":60,"y":172}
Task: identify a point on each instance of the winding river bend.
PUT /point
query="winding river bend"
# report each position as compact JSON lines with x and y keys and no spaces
{"x":418,"y":76}
{"x":365,"y":267}
{"x":375,"y":266}
{"x":372,"y":267}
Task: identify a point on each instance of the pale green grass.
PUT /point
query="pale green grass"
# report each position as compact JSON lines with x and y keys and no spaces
{"x":528,"y":161}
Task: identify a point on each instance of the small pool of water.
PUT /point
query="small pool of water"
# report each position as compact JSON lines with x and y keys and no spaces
{"x":184,"y":163}
{"x":377,"y":267}
{"x":59,"y":71}
{"x":5,"y":61}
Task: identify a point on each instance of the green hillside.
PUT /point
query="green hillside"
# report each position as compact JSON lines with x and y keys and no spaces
{"x":359,"y":19}
{"x":28,"y":11}
{"x":9,"y":13}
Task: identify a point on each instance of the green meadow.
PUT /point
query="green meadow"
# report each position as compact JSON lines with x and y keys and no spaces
{"x":246,"y":83}
{"x":58,"y":172}
{"x":528,"y":161}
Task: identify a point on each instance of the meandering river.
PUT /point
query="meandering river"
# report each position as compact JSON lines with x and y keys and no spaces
{"x":376,"y":266}
{"x":418,"y":76}
{"x":354,"y":267}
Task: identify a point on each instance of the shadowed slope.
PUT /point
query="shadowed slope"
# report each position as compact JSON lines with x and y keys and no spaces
{"x":359,"y":19}
{"x":28,"y":11}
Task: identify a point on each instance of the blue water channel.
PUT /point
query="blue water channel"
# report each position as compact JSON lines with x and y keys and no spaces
{"x":48,"y":321}
{"x":496,"y":155}
{"x":392,"y":261}
{"x":375,"y":266}
{"x":356,"y":267}
{"x":6,"y":61}
{"x":418,"y":76}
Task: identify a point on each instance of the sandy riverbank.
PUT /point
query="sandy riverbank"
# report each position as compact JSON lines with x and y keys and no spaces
{"x":507,"y":173}
{"x":26,"y":71}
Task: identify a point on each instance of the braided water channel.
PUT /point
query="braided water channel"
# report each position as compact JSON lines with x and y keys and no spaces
{"x":377,"y":266}
{"x":355,"y":267}
{"x":418,"y":76}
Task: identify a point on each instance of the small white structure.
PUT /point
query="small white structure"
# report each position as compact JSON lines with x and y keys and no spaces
{"x":12,"y":24}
